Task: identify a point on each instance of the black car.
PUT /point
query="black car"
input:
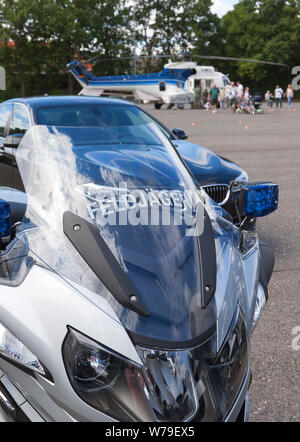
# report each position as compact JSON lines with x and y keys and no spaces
{"x":212,"y":172}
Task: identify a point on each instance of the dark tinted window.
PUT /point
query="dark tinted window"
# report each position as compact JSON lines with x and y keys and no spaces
{"x":5,"y":112}
{"x":20,"y":120}
{"x":162,"y":86}
{"x":92,"y":115}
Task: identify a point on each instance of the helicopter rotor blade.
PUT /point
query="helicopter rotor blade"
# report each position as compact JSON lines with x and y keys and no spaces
{"x":247,"y":60}
{"x":132,"y":57}
{"x":186,"y":55}
{"x":98,"y":58}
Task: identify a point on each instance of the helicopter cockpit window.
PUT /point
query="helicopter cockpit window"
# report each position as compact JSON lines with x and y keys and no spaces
{"x":162,"y":86}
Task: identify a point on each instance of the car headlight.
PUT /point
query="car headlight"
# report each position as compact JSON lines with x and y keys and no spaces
{"x":13,"y":349}
{"x":243,"y":177}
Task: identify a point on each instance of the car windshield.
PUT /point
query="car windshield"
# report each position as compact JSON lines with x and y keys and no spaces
{"x":101,"y":123}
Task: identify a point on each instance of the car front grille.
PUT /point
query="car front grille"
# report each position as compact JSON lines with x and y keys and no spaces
{"x":218,"y":192}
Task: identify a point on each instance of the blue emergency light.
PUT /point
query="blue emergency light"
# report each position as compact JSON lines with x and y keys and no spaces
{"x":5,"y":219}
{"x":259,"y":199}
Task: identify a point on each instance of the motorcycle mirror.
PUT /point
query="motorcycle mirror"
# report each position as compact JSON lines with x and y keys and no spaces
{"x":258,"y":199}
{"x":5,"y":221}
{"x":180,"y":134}
{"x":13,"y":140}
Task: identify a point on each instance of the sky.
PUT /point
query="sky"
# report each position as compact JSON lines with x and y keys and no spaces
{"x":220,"y":7}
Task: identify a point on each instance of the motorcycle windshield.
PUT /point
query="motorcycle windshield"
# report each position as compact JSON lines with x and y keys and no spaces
{"x":105,"y":212}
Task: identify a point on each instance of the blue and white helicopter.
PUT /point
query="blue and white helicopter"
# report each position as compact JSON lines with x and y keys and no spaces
{"x":174,"y":85}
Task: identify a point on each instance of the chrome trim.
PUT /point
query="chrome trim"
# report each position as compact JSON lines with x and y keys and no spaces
{"x":31,"y":413}
{"x":13,"y":391}
{"x":247,"y":408}
{"x":222,"y":203}
{"x":7,"y":404}
{"x":260,"y":303}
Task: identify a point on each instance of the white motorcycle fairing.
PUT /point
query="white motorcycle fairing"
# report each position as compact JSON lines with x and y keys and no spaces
{"x":174,"y":352}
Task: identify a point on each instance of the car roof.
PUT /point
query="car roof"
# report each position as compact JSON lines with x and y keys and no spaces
{"x":46,"y":101}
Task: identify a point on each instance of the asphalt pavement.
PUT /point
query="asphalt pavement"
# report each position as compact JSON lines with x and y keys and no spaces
{"x":268,"y":147}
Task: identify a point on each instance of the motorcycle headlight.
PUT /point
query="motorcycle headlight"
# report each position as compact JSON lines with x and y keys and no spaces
{"x":229,"y":369}
{"x":13,"y":349}
{"x":104,"y":379}
{"x":168,"y":387}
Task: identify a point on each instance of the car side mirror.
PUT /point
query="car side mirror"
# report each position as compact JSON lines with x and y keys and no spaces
{"x":258,"y":199}
{"x":12,"y":141}
{"x":180,"y":134}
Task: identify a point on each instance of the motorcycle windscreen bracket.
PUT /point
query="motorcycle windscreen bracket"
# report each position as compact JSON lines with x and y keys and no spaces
{"x":208,"y":261}
{"x":88,"y":242}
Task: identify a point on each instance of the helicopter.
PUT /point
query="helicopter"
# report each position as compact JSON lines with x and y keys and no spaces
{"x":174,"y":85}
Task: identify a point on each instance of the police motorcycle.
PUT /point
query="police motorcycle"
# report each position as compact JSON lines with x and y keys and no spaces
{"x":111,"y":308}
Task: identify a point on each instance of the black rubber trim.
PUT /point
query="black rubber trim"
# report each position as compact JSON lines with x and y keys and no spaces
{"x":90,"y":245}
{"x":208,"y":261}
{"x":267,"y":263}
{"x":153,"y":343}
{"x":27,"y":369}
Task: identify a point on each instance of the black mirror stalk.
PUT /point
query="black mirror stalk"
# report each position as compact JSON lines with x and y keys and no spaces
{"x":180,"y":134}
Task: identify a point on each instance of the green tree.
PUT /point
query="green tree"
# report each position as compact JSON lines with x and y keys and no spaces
{"x":174,"y":26}
{"x":263,"y":30}
{"x":36,"y":39}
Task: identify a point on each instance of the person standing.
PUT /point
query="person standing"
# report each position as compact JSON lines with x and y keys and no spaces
{"x":290,"y":95}
{"x":279,"y":94}
{"x":240,"y":91}
{"x":227,"y":95}
{"x":247,"y":96}
{"x":214,"y":97}
{"x":240,"y":95}
{"x":232,"y":97}
{"x":205,"y":96}
{"x":222,"y":98}
{"x":197,"y":92}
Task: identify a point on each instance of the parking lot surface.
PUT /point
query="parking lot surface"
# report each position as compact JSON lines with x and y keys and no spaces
{"x":268,"y":148}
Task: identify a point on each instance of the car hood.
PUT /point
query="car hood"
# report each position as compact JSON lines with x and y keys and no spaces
{"x":137,"y":165}
{"x":205,"y":165}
